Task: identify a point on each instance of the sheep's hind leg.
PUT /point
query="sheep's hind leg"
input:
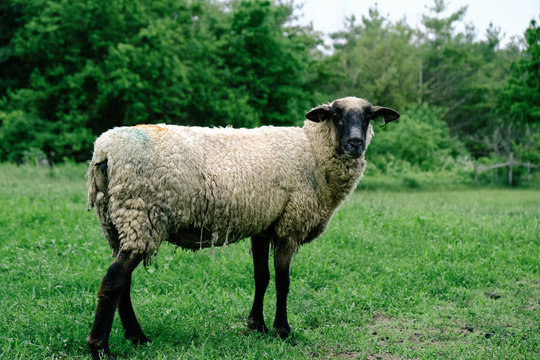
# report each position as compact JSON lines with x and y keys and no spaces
{"x":109,"y":294}
{"x":131,"y":325}
{"x":282,"y":261}
{"x":259,"y":249}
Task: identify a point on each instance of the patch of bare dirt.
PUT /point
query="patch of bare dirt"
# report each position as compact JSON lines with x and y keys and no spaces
{"x":384,"y":357}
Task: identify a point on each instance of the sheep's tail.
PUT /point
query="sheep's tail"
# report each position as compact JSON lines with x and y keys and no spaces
{"x":98,"y":198}
{"x":97,"y":182}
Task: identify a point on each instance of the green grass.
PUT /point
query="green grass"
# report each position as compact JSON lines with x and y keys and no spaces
{"x":397,"y":275}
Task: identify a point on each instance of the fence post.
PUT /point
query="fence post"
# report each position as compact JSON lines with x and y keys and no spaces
{"x":510,"y":164}
{"x":510,"y":167}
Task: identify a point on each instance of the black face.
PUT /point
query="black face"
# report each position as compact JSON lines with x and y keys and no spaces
{"x":351,"y":130}
{"x":350,"y":118}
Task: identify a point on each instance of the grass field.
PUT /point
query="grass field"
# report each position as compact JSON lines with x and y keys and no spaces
{"x":416,"y":275}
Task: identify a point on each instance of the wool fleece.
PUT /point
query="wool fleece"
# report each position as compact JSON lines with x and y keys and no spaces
{"x":201,"y":187}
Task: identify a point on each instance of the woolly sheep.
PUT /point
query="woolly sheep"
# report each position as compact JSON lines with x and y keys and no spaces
{"x":201,"y":187}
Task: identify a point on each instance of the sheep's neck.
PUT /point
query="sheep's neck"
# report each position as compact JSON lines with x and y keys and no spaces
{"x":338,"y":174}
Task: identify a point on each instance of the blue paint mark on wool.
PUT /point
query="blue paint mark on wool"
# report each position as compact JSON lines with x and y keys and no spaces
{"x":139,"y":134}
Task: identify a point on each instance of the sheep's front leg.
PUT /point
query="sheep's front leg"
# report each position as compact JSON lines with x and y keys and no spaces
{"x":259,"y":250}
{"x":282,"y":262}
{"x":109,"y":294}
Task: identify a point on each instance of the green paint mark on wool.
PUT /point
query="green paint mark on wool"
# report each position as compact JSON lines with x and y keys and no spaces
{"x":139,"y":134}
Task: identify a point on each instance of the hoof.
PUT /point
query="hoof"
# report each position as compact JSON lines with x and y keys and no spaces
{"x":259,"y":326}
{"x":99,"y":349}
{"x":283,"y":331}
{"x":137,"y":339}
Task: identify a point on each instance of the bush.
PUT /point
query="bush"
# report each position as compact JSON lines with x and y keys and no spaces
{"x":21,"y":136}
{"x":420,"y":140}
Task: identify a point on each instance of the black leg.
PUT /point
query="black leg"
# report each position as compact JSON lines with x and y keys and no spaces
{"x":132,"y":328}
{"x":109,"y":294}
{"x":259,"y":249}
{"x":282,"y":262}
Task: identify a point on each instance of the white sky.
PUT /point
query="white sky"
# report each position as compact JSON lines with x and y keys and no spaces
{"x":512,"y":16}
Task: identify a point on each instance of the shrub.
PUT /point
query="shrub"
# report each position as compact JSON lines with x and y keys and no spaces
{"x":420,"y":139}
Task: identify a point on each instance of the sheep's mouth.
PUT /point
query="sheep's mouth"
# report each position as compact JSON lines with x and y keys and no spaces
{"x":353,"y":153}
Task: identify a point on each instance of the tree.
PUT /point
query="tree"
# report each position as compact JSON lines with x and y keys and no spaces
{"x":13,"y":71}
{"x":447,"y":62}
{"x":98,"y":64}
{"x":267,"y":60}
{"x":91,"y":70}
{"x":374,"y":59}
{"x":518,"y":129}
{"x":463,"y":76}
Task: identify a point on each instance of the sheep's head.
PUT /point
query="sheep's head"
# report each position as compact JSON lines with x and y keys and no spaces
{"x":350,"y":120}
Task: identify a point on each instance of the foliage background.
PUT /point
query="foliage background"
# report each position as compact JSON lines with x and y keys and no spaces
{"x":71,"y":70}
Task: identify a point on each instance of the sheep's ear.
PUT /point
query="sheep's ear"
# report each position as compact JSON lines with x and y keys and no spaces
{"x":388,"y":114}
{"x":320,"y":113}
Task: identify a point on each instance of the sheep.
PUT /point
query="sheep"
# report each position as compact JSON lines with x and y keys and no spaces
{"x":202,"y":187}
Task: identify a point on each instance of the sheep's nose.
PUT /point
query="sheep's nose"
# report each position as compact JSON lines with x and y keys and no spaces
{"x":355,"y":142}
